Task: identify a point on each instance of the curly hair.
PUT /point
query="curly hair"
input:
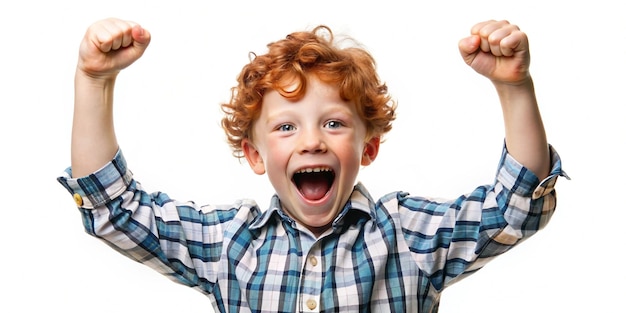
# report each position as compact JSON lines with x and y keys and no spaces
{"x":290,"y":60}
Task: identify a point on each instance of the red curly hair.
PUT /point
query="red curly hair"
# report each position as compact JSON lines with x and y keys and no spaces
{"x":291,"y":60}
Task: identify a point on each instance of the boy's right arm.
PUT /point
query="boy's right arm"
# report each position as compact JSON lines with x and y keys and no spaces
{"x":111,"y":202}
{"x":108,"y":46}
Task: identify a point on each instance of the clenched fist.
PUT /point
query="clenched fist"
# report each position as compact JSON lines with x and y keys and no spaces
{"x":498,"y":50}
{"x":111,"y":45}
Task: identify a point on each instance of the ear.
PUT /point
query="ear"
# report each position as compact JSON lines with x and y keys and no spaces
{"x":253,"y":157}
{"x":370,"y":151}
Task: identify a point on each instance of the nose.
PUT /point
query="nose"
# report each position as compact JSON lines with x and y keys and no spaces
{"x":311,"y":141}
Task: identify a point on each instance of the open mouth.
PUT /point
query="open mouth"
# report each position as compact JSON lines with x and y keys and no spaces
{"x":314,"y":183}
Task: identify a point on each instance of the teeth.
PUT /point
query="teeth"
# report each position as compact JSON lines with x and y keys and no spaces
{"x":314,"y":170}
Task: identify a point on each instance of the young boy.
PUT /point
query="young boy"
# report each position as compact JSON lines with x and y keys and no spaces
{"x":309,"y":115}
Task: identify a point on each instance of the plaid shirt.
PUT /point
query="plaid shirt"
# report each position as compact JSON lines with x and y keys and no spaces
{"x":394,"y":255}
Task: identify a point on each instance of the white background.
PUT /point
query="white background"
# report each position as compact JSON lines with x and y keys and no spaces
{"x":446,"y":140}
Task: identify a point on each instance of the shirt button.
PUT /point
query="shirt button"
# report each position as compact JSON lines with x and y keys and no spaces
{"x":78,"y":199}
{"x":311,"y":304}
{"x":313,"y":260}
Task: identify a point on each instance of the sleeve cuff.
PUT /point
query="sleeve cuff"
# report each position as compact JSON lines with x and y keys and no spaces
{"x":100,"y":187}
{"x":521,"y":180}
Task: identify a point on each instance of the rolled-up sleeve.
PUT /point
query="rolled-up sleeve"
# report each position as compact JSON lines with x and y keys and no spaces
{"x":454,"y":238}
{"x":181,"y":240}
{"x":100,"y":187}
{"x":527,"y":204}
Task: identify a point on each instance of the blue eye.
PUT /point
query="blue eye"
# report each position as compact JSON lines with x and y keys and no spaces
{"x":285,"y":127}
{"x":333,"y":124}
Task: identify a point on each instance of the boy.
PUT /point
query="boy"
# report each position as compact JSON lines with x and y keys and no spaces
{"x":309,"y":115}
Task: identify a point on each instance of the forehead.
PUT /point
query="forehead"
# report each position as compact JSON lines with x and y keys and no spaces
{"x":315,"y":97}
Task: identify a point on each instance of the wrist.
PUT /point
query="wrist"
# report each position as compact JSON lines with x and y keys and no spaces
{"x":101,"y":80}
{"x":92,"y":78}
{"x":508,"y":89}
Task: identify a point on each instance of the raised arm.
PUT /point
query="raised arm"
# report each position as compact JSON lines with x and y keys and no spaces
{"x":499,"y":51}
{"x":108,"y":47}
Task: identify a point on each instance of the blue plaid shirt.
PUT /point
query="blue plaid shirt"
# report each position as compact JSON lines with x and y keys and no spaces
{"x":394,"y":255}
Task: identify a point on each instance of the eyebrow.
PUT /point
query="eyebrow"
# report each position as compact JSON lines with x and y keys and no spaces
{"x":343,"y":108}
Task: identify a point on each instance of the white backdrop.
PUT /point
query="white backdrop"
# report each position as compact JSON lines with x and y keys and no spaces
{"x":170,"y":98}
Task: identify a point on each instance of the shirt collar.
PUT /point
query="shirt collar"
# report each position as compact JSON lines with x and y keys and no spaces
{"x":359,"y":201}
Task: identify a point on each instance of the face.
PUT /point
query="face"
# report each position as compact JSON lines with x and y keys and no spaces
{"x":311,"y":150}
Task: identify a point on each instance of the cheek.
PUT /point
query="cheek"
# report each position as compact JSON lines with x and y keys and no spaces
{"x":277,"y":152}
{"x":350,"y":154}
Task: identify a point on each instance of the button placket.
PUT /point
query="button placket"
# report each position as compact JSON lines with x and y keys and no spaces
{"x":312,"y":280}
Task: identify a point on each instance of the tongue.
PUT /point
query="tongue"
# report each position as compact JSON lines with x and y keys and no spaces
{"x":314,"y":187}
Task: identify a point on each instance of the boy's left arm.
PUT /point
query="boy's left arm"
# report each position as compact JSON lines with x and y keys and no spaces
{"x":499,"y":51}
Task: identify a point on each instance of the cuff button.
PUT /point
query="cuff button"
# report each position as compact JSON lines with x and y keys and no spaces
{"x":78,"y":199}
